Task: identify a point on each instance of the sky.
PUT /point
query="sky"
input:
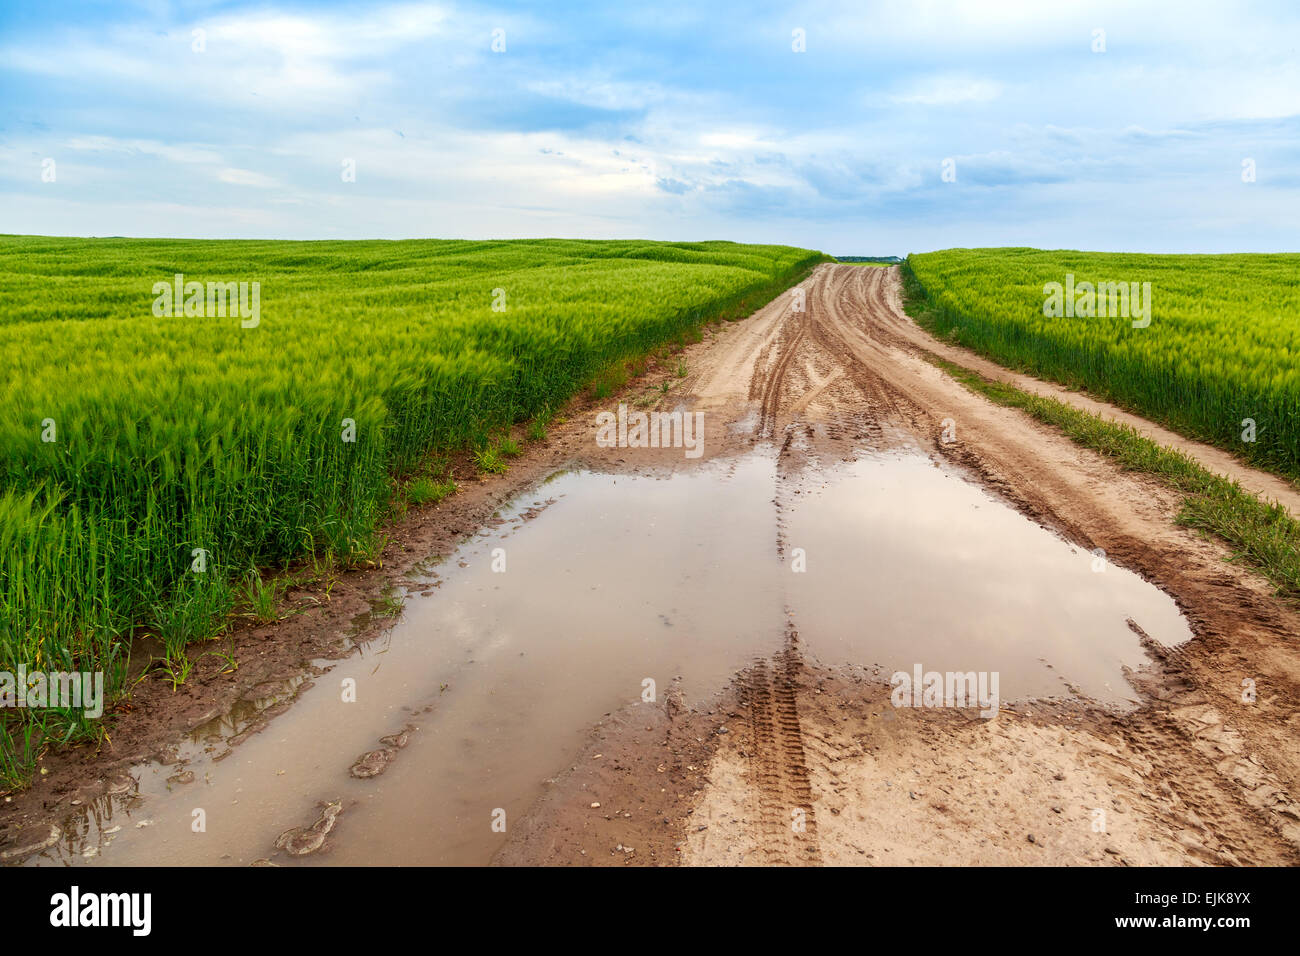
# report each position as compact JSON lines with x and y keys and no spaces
{"x":854,"y":128}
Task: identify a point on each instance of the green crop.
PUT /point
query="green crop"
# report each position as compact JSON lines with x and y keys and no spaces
{"x":1220,"y":357}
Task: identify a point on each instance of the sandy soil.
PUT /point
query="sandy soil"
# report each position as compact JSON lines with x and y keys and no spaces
{"x":803,"y":765}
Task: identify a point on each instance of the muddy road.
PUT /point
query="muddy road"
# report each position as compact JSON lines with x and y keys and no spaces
{"x":1195,"y":774}
{"x":634,"y":655}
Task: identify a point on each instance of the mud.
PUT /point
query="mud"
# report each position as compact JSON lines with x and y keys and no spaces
{"x":302,"y":841}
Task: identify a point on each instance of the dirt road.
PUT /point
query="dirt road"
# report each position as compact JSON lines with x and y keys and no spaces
{"x":816,"y":766}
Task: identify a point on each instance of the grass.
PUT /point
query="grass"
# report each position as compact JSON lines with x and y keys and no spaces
{"x":262,"y":598}
{"x":176,"y":667}
{"x":1221,"y":350}
{"x":536,"y":429}
{"x":132,"y":440}
{"x":425,"y":491}
{"x":1263,"y":536}
{"x":490,"y":460}
{"x":19,"y":751}
{"x":610,"y":380}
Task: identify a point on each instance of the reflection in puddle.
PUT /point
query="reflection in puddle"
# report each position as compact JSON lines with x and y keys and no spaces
{"x":558,"y":613}
{"x":908,"y":563}
{"x":215,"y":736}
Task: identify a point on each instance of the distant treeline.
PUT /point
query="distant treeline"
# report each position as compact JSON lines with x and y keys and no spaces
{"x":892,"y":260}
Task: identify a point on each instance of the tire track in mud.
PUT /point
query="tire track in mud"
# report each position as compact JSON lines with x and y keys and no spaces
{"x":851,"y":372}
{"x":1237,"y":818}
{"x":783,"y":792}
{"x":853,"y":399}
{"x":770,"y":383}
{"x":881,"y":407}
{"x":1225,"y":827}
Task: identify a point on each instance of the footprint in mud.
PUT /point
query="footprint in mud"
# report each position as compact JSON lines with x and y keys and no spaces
{"x":398,"y":740}
{"x":375,"y":762}
{"x":372,"y":764}
{"x":301,"y":842}
{"x":31,"y":840}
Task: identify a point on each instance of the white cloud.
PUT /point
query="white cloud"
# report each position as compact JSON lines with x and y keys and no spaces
{"x":602,"y":92}
{"x":177,"y":153}
{"x":265,"y":60}
{"x":245,"y":177}
{"x":950,"y":90}
{"x":295,"y":38}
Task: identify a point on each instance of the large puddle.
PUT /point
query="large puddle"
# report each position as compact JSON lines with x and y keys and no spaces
{"x":590,"y":585}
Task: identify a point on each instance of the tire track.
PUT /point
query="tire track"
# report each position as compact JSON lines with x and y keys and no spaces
{"x":783,"y":802}
{"x":772,"y":382}
{"x":1225,"y":827}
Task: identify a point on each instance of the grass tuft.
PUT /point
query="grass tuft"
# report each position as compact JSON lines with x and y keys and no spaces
{"x":1263,"y":535}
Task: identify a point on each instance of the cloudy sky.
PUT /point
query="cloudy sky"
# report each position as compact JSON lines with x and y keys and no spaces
{"x":1109,"y":126}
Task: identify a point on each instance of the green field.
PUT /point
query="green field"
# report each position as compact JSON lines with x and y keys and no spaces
{"x":1222,"y":346}
{"x":152,"y":462}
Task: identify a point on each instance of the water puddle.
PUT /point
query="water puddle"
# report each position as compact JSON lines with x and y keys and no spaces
{"x":509,"y":651}
{"x":908,"y":563}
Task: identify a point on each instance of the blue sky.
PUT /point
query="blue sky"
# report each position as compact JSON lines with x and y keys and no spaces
{"x":662,"y":120}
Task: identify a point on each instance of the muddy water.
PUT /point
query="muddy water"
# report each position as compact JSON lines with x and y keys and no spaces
{"x":588,"y":587}
{"x":907,"y":563}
